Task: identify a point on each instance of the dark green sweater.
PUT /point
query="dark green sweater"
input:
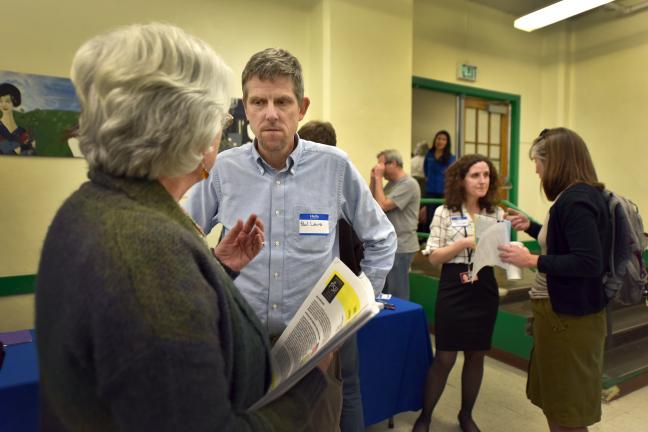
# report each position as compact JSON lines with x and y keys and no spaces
{"x":139,"y":328}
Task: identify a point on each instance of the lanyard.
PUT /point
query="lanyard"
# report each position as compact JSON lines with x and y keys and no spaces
{"x":469,"y":251}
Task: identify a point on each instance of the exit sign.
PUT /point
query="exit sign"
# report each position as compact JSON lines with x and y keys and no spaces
{"x":467,"y":72}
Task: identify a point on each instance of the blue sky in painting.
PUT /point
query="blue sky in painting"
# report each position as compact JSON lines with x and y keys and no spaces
{"x":43,"y":92}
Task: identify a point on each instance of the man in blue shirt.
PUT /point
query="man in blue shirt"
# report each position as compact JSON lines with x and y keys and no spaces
{"x":285,"y":180}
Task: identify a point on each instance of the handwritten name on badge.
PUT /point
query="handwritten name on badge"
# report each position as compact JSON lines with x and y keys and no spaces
{"x":459,"y":221}
{"x":313,"y":224}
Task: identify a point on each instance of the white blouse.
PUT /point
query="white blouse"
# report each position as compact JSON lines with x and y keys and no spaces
{"x":446,"y":228}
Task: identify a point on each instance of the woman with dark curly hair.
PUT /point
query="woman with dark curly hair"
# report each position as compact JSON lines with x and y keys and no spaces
{"x":465,"y":311}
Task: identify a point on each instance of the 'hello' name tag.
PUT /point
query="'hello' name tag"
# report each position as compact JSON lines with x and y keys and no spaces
{"x":459,"y":221}
{"x":313,"y":224}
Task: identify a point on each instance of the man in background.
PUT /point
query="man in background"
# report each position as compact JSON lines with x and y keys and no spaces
{"x":351,"y":253}
{"x":400,"y":200}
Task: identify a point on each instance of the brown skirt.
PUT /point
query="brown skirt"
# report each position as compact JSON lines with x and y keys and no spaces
{"x":566,"y":365}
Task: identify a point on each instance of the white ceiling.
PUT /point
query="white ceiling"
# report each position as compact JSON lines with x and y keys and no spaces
{"x":516,"y":7}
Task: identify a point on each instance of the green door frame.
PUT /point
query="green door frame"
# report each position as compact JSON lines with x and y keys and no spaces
{"x":514,"y":100}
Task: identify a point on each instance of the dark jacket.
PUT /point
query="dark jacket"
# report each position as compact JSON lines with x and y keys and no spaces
{"x":578,"y":245}
{"x":139,"y":328}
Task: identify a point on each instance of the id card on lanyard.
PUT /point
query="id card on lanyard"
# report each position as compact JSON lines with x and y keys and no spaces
{"x":463,"y":222}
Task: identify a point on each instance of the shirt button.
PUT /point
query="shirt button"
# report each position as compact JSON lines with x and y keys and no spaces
{"x":276,"y":275}
{"x":278,"y":182}
{"x":276,"y":242}
{"x":274,"y":306}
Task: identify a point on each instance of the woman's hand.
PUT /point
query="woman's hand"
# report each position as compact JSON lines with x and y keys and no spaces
{"x":469,"y":242}
{"x":519,"y":221}
{"x":241,"y":244}
{"x":518,"y":256}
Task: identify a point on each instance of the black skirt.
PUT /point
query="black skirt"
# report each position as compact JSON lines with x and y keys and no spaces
{"x":465,"y":313}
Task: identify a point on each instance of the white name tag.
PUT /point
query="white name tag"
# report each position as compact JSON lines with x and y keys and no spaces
{"x":313,"y":224}
{"x":459,"y":221}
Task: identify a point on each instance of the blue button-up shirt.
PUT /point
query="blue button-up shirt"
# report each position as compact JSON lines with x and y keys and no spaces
{"x":317,"y":180}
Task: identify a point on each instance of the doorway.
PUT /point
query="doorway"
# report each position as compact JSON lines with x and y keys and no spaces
{"x":485,"y":121}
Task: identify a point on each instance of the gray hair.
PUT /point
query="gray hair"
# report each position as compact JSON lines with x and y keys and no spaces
{"x":392,"y":155}
{"x":538,"y":149}
{"x":421,"y":148}
{"x":153,"y":99}
{"x":272,"y":63}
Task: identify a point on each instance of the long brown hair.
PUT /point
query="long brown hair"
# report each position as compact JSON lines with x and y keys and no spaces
{"x":565,"y":160}
{"x":455,"y":193}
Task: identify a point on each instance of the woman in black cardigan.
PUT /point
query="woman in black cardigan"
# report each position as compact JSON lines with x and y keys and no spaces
{"x":567,"y":296}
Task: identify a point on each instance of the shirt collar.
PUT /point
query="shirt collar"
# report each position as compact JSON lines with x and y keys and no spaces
{"x":293,"y":158}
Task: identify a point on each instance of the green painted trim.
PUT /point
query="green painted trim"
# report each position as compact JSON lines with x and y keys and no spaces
{"x":513,"y":99}
{"x":432,"y":201}
{"x":510,"y":335}
{"x":14,"y":285}
{"x":423,"y":290}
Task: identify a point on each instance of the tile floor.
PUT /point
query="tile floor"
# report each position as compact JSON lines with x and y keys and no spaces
{"x":503,"y":407}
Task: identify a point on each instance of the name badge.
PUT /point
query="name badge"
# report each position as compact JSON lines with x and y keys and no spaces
{"x":316,"y":224}
{"x":459,"y":221}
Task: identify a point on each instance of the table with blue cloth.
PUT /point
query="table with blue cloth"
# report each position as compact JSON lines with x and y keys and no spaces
{"x":395,"y":354}
{"x":19,"y":389}
{"x":394,"y":350}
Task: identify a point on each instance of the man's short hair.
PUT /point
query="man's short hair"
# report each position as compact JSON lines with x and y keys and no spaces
{"x":270,"y":64}
{"x":392,"y":155}
{"x":318,"y":131}
{"x":153,"y":99}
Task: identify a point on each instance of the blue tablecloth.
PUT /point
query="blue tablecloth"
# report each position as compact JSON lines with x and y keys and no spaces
{"x":395,"y":354}
{"x":394,"y":350}
{"x":19,"y":389}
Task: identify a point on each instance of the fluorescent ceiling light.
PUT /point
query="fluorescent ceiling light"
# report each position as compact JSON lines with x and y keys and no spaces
{"x":556,"y":12}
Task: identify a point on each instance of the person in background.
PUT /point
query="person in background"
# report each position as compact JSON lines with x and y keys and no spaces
{"x":400,"y":200}
{"x":418,"y":173}
{"x":437,"y":161}
{"x":285,"y":180}
{"x":140,"y":327}
{"x":567,"y":296}
{"x":465,"y":310}
{"x":351,"y":254}
{"x":418,"y":159}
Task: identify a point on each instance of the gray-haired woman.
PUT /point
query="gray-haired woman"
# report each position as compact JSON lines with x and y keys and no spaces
{"x":139,"y":327}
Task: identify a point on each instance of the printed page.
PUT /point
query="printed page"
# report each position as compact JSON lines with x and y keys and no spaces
{"x":486,"y":253}
{"x":338,"y":305}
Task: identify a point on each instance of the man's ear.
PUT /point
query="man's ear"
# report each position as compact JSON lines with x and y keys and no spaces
{"x":304,"y":107}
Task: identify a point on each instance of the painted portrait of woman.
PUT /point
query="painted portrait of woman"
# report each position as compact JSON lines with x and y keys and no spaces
{"x":14,"y":140}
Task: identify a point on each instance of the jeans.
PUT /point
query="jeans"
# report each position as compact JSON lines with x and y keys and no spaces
{"x":398,"y":277}
{"x":352,"y":419}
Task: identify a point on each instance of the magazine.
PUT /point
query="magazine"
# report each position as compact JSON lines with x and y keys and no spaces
{"x":337,"y":306}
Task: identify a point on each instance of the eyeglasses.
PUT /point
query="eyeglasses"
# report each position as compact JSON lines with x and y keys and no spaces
{"x":544,"y":133}
{"x":227,"y":121}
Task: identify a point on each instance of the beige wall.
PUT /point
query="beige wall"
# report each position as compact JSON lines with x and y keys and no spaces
{"x":369,"y":90}
{"x":433,"y":111}
{"x":608,"y":100}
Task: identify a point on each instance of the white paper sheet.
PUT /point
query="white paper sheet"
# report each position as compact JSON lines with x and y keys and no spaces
{"x":489,"y":235}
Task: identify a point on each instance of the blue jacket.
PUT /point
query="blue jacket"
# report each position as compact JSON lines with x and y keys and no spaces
{"x":435,"y":173}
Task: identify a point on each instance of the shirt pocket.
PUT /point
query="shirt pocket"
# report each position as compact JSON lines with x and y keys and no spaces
{"x":312,"y":228}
